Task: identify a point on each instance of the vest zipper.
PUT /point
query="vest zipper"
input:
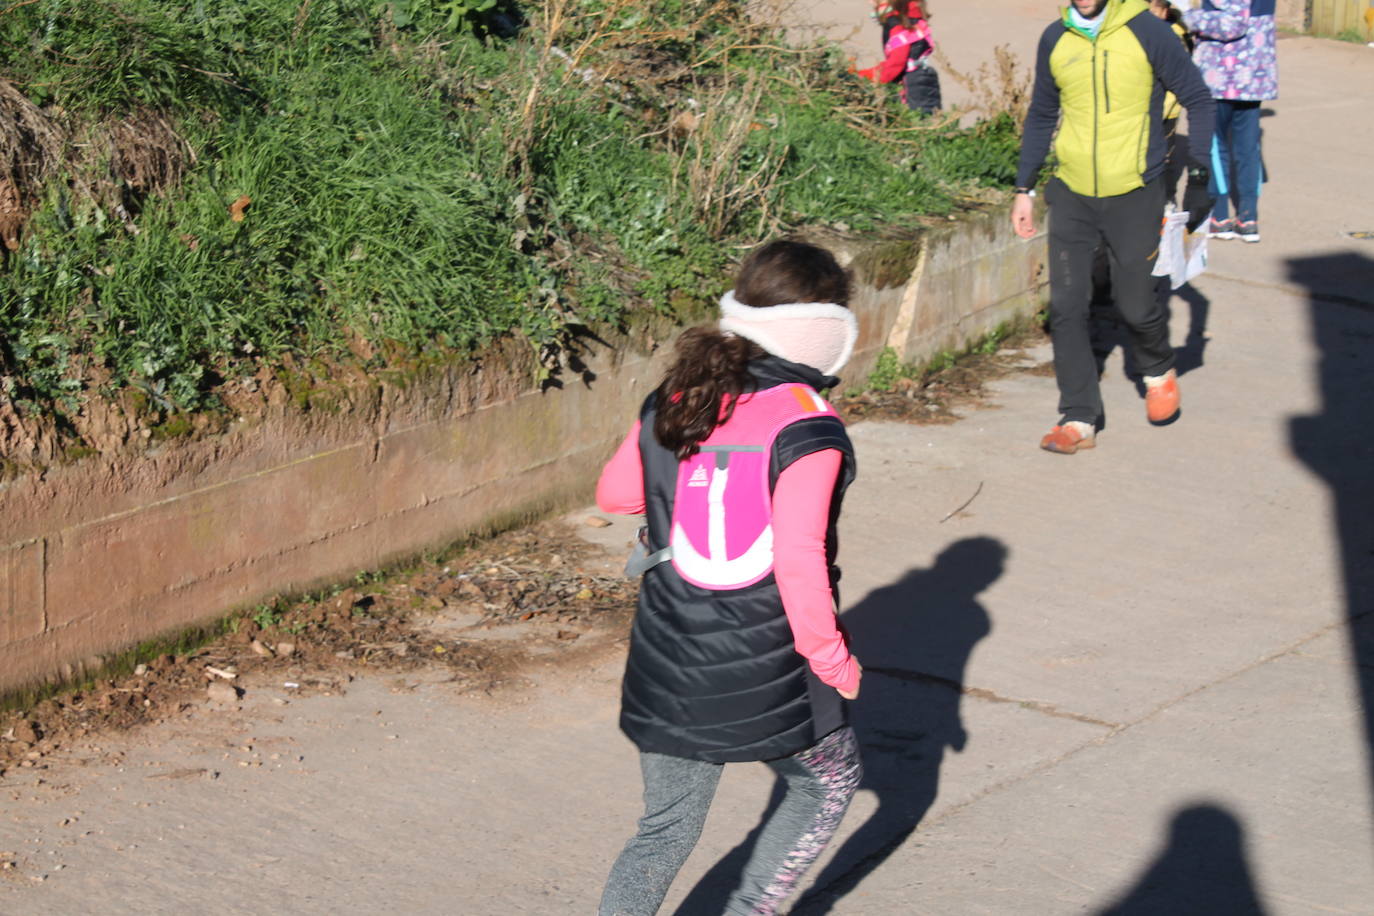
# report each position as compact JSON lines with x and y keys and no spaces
{"x":1106,"y":87}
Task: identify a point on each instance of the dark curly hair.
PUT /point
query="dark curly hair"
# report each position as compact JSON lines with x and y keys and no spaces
{"x":710,"y":370}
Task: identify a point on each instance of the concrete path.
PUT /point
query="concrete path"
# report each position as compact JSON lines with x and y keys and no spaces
{"x":1138,"y":680}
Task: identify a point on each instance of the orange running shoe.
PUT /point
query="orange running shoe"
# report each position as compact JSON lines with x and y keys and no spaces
{"x":1065,"y":440}
{"x":1161,"y":397}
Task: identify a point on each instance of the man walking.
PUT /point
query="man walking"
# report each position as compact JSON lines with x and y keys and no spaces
{"x":1106,"y":66}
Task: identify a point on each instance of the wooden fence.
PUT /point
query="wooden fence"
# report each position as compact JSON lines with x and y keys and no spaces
{"x":1343,"y":17}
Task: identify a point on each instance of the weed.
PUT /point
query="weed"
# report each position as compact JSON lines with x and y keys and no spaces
{"x":173,"y":427}
{"x":455,"y":14}
{"x":76,"y":452}
{"x":197,"y":190}
{"x":267,"y":616}
{"x":889,"y":370}
{"x":992,"y":341}
{"x":999,"y":87}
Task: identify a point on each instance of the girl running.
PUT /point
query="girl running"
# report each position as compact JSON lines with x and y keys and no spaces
{"x":735,"y":654}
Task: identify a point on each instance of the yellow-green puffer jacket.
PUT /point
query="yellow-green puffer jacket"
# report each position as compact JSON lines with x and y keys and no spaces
{"x":1105,"y":87}
{"x":1105,"y":97}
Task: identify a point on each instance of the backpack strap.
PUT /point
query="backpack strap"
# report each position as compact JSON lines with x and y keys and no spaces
{"x":641,"y":561}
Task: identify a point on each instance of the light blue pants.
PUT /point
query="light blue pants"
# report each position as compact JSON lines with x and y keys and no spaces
{"x":1237,"y":170}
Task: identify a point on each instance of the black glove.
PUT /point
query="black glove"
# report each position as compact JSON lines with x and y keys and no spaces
{"x":1197,"y":197}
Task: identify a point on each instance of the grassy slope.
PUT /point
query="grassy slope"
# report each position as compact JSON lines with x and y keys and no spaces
{"x":401,"y":201}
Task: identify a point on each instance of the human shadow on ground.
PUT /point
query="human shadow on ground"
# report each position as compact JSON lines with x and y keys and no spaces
{"x":914,"y":638}
{"x":710,"y":894}
{"x":1108,"y":330}
{"x":1201,"y":871}
{"x":1189,"y":354}
{"x":1337,"y":441}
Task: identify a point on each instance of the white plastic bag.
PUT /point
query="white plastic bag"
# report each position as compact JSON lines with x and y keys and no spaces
{"x":1182,"y":254}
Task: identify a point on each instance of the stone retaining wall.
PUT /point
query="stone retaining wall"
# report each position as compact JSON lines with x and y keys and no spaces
{"x":99,"y":555}
{"x":1293,"y":14}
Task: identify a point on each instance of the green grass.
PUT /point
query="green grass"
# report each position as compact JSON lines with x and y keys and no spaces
{"x":387,"y":205}
{"x":889,"y":369}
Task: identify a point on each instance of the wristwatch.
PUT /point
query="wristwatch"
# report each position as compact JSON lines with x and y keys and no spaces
{"x":1029,"y":192}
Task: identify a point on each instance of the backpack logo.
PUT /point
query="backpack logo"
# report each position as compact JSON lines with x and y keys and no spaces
{"x":722,"y":534}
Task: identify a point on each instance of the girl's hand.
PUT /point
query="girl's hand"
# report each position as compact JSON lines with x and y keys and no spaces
{"x":854,"y":694}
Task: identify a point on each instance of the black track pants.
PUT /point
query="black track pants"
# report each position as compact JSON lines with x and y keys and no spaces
{"x":1127,"y":226}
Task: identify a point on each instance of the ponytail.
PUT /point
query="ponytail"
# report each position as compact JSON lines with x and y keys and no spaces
{"x":700,"y":390}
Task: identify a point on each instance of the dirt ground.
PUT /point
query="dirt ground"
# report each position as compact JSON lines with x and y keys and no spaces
{"x":476,"y":612}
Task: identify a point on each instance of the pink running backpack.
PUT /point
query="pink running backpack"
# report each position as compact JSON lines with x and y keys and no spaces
{"x":722,"y":528}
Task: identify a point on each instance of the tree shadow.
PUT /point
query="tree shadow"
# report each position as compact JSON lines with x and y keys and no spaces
{"x":1201,"y":871}
{"x":1337,"y":442}
{"x":914,"y":638}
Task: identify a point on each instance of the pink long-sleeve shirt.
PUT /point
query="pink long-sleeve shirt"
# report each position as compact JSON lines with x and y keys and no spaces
{"x":801,"y":515}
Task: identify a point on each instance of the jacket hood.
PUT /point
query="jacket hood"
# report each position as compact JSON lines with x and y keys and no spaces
{"x":1115,"y":15}
{"x":769,"y":371}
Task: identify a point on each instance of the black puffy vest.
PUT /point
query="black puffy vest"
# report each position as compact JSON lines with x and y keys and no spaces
{"x":714,"y":675}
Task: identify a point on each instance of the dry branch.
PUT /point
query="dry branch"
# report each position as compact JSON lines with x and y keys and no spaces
{"x":999,"y":87}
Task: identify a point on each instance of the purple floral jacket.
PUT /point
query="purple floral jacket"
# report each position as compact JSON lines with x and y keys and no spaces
{"x":1235,"y":48}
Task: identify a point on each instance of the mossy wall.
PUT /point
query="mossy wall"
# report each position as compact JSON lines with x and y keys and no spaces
{"x":111,"y":550}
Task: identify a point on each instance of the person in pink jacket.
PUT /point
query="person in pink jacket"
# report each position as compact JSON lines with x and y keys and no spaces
{"x":907,"y":43}
{"x":739,"y":465}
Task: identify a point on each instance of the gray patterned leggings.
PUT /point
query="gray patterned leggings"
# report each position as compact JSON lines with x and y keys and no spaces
{"x":820,"y":781}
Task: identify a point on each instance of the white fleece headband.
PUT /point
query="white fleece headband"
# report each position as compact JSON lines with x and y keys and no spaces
{"x":816,"y":334}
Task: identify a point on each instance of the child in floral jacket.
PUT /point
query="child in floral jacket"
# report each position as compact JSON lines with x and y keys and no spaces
{"x":1236,"y":54}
